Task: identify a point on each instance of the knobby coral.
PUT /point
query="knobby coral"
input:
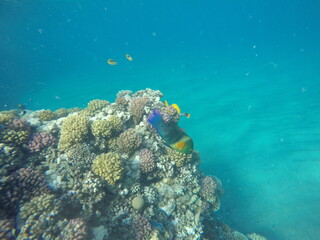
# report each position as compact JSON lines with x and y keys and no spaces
{"x":108,"y":166}
{"x":129,"y":141}
{"x":75,"y":129}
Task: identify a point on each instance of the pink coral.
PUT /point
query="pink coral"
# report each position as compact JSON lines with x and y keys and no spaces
{"x":20,"y":124}
{"x":21,"y":186}
{"x":76,"y":229}
{"x":142,"y":227}
{"x":39,"y":141}
{"x":146,"y":160}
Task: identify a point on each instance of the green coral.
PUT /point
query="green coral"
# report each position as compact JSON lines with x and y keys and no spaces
{"x":41,"y":218}
{"x":115,"y":123}
{"x":129,"y":141}
{"x":47,"y":115}
{"x":17,"y":137}
{"x":61,"y":112}
{"x":6,"y":117}
{"x":74,"y":130}
{"x":179,"y":158}
{"x":101,"y":128}
{"x":108,"y":166}
{"x":96,"y":105}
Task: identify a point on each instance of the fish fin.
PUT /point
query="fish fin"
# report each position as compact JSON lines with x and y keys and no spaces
{"x":165,"y":103}
{"x":155,"y":118}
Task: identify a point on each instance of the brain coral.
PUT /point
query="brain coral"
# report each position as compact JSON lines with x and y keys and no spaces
{"x":74,"y":130}
{"x":129,"y":141}
{"x":108,"y":166}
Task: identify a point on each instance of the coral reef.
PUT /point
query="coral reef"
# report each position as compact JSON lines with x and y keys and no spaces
{"x":129,"y":141}
{"x":21,"y":186}
{"x":108,"y":166}
{"x":47,"y":115}
{"x":76,"y":229}
{"x":142,"y":227}
{"x":111,"y":176}
{"x":75,"y":129}
{"x":7,"y":230}
{"x":147,"y":163}
{"x":96,"y":105}
{"x":40,"y":141}
{"x":136,"y":108}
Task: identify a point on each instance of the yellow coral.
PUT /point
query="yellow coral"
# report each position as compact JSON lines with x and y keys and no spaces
{"x":37,"y":206}
{"x":115,"y":123}
{"x":47,"y":115}
{"x":179,"y":158}
{"x":101,"y":128}
{"x":108,"y":166}
{"x":74,"y":130}
{"x":16,"y":137}
{"x":61,"y":112}
{"x":6,"y":117}
{"x":96,"y":104}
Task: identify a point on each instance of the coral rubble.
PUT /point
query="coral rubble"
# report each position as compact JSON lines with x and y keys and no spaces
{"x":103,"y":173}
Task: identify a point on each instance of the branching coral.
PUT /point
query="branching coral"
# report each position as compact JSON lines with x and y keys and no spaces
{"x":76,"y":229}
{"x":40,"y":141}
{"x":74,"y":130}
{"x":101,"y":128}
{"x":7,"y":229}
{"x":108,"y":166}
{"x":179,"y":158}
{"x":210,"y":190}
{"x":147,"y":163}
{"x":129,"y":141}
{"x":47,"y":115}
{"x":136,"y":108}
{"x":21,"y":186}
{"x":96,"y":105}
{"x":170,"y":114}
{"x":142,"y":227}
{"x":41,"y":218}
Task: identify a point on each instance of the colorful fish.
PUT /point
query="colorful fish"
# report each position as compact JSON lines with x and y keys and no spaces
{"x":112,"y":62}
{"x":174,"y":136}
{"x":129,"y":57}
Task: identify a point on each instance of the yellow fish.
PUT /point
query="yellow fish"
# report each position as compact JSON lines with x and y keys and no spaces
{"x":129,"y":57}
{"x":112,"y":62}
{"x":187,"y":115}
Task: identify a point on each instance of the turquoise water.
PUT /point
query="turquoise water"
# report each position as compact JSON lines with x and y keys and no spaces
{"x":248,"y":72}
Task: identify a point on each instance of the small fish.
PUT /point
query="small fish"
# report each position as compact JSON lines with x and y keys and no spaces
{"x":174,"y":136}
{"x":187,"y":115}
{"x":129,"y":57}
{"x":21,"y":107}
{"x":112,"y":62}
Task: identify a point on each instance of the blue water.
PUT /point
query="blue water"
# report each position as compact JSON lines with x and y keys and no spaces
{"x":247,"y":71}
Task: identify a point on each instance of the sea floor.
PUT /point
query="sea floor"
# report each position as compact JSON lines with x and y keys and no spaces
{"x":257,"y":130}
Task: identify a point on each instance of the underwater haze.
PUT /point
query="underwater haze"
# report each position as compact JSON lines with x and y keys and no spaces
{"x":247,"y":71}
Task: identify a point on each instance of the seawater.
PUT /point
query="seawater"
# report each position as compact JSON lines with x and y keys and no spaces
{"x":246,"y":71}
